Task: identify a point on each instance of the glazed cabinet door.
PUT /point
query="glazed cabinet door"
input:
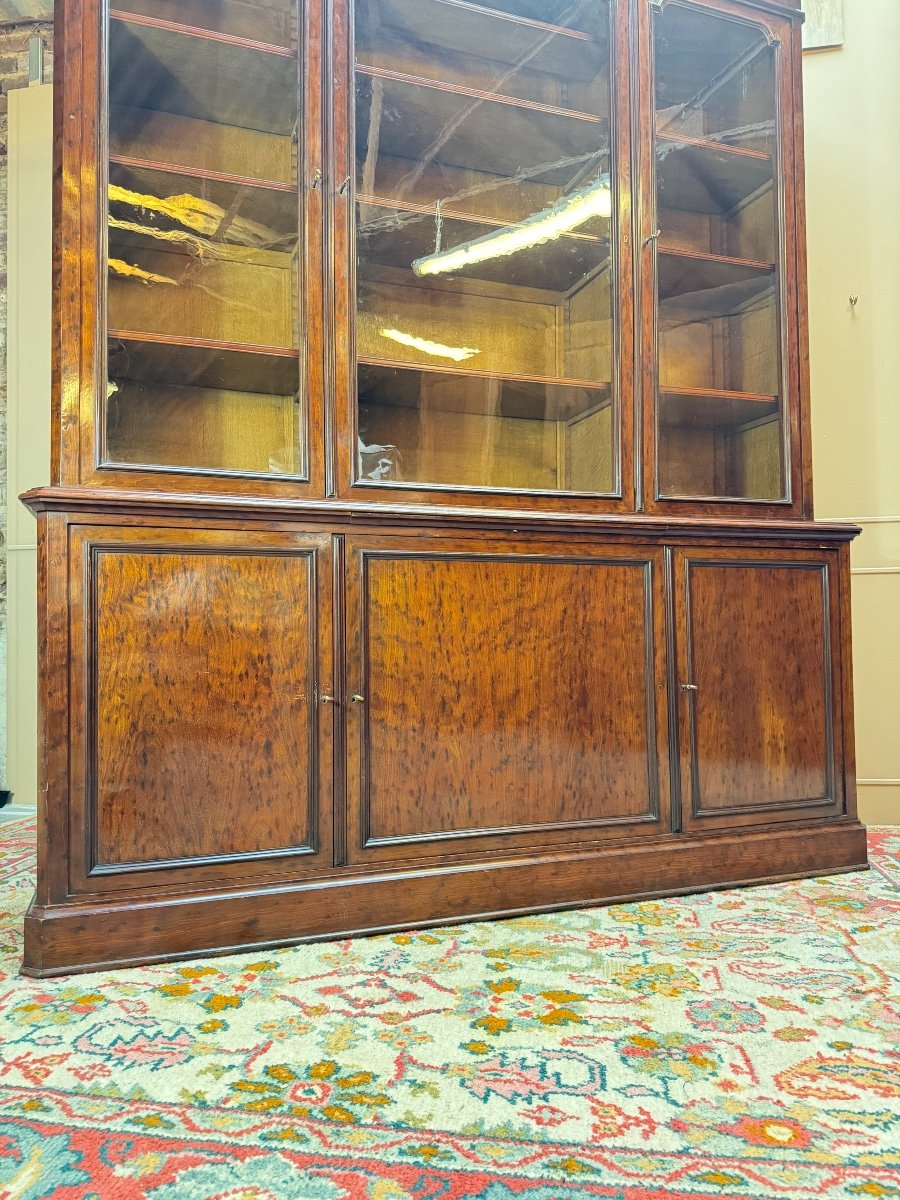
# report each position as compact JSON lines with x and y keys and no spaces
{"x":719,"y":254}
{"x":483,"y":254}
{"x":502,"y":696}
{"x":760,"y":678}
{"x":201,"y":746}
{"x":203,"y":362}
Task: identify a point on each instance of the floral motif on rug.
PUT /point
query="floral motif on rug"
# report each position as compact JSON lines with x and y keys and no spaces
{"x":741,"y":1044}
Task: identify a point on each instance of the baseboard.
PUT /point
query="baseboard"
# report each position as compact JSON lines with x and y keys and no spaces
{"x":80,"y":935}
{"x":879,"y":801}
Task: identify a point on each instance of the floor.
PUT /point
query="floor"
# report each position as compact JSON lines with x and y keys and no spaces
{"x":741,"y":1044}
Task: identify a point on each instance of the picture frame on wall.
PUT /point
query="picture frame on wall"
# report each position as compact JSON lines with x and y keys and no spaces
{"x":824,"y":25}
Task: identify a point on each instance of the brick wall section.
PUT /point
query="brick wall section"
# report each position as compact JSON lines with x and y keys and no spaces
{"x":13,"y":74}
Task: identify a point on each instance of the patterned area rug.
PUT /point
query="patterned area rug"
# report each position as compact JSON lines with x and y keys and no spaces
{"x":741,"y":1044}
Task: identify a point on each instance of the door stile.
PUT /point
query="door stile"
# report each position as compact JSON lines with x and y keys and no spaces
{"x":311,"y":332}
{"x":645,"y":243}
{"x":341,"y":213}
{"x":670,"y":584}
{"x":629,"y":465}
{"x":342,"y":691}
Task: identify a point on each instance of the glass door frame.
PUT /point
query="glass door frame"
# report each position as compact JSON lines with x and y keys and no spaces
{"x":82,"y":105}
{"x":782,"y":30}
{"x":342,"y":415}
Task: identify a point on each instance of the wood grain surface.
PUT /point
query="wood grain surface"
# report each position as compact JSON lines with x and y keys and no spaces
{"x":503,"y":691}
{"x":205,"y":703}
{"x":756,"y":642}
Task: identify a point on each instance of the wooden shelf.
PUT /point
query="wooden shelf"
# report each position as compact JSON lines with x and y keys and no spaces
{"x":500,"y":135}
{"x":235,"y":18}
{"x":164,"y":66}
{"x":557,"y":267}
{"x":200,"y":363}
{"x":712,"y":408}
{"x":472,"y":93}
{"x":504,"y":37}
{"x":269,"y":202}
{"x":708,"y":177}
{"x":398,"y":384}
{"x":711,"y":283}
{"x":686,"y":271}
{"x":205,"y":33}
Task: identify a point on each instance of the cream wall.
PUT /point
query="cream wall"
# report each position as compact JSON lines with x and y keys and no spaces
{"x":28,"y":413}
{"x":852,"y":100}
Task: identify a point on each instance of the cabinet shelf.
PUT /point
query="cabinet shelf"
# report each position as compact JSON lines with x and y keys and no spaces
{"x":243,"y":294}
{"x":270,"y":203}
{"x":190,"y":72}
{"x":397,"y":384}
{"x":559,"y":267}
{"x":709,"y":283}
{"x":202,"y":363}
{"x":191,"y":172}
{"x":203,"y":147}
{"x":708,"y":177}
{"x":504,"y":37}
{"x":459,"y":89}
{"x":267,"y":24}
{"x":712,"y":408}
{"x":682,"y":272}
{"x":186,"y":29}
{"x":500,"y":135}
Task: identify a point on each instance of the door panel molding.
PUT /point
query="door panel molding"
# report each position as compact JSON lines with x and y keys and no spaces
{"x":129,"y":690}
{"x":498,"y":739}
{"x":790,"y":747}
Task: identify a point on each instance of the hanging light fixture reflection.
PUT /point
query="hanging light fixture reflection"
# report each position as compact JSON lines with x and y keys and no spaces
{"x":437,"y":349}
{"x":566,"y":214}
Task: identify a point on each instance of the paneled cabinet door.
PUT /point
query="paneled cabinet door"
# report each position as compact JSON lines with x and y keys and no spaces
{"x":502,"y":696}
{"x":719,"y":255}
{"x":201,"y":748}
{"x":759,"y":686}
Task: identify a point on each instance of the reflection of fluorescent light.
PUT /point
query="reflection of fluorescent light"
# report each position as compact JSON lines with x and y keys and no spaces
{"x":457,"y":353}
{"x":567,"y":214}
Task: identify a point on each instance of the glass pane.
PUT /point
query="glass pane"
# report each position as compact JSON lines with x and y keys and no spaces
{"x":485,"y":329}
{"x":202,"y":294}
{"x":720,"y":412}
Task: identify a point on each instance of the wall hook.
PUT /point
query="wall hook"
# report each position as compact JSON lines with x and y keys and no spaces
{"x":854,"y":300}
